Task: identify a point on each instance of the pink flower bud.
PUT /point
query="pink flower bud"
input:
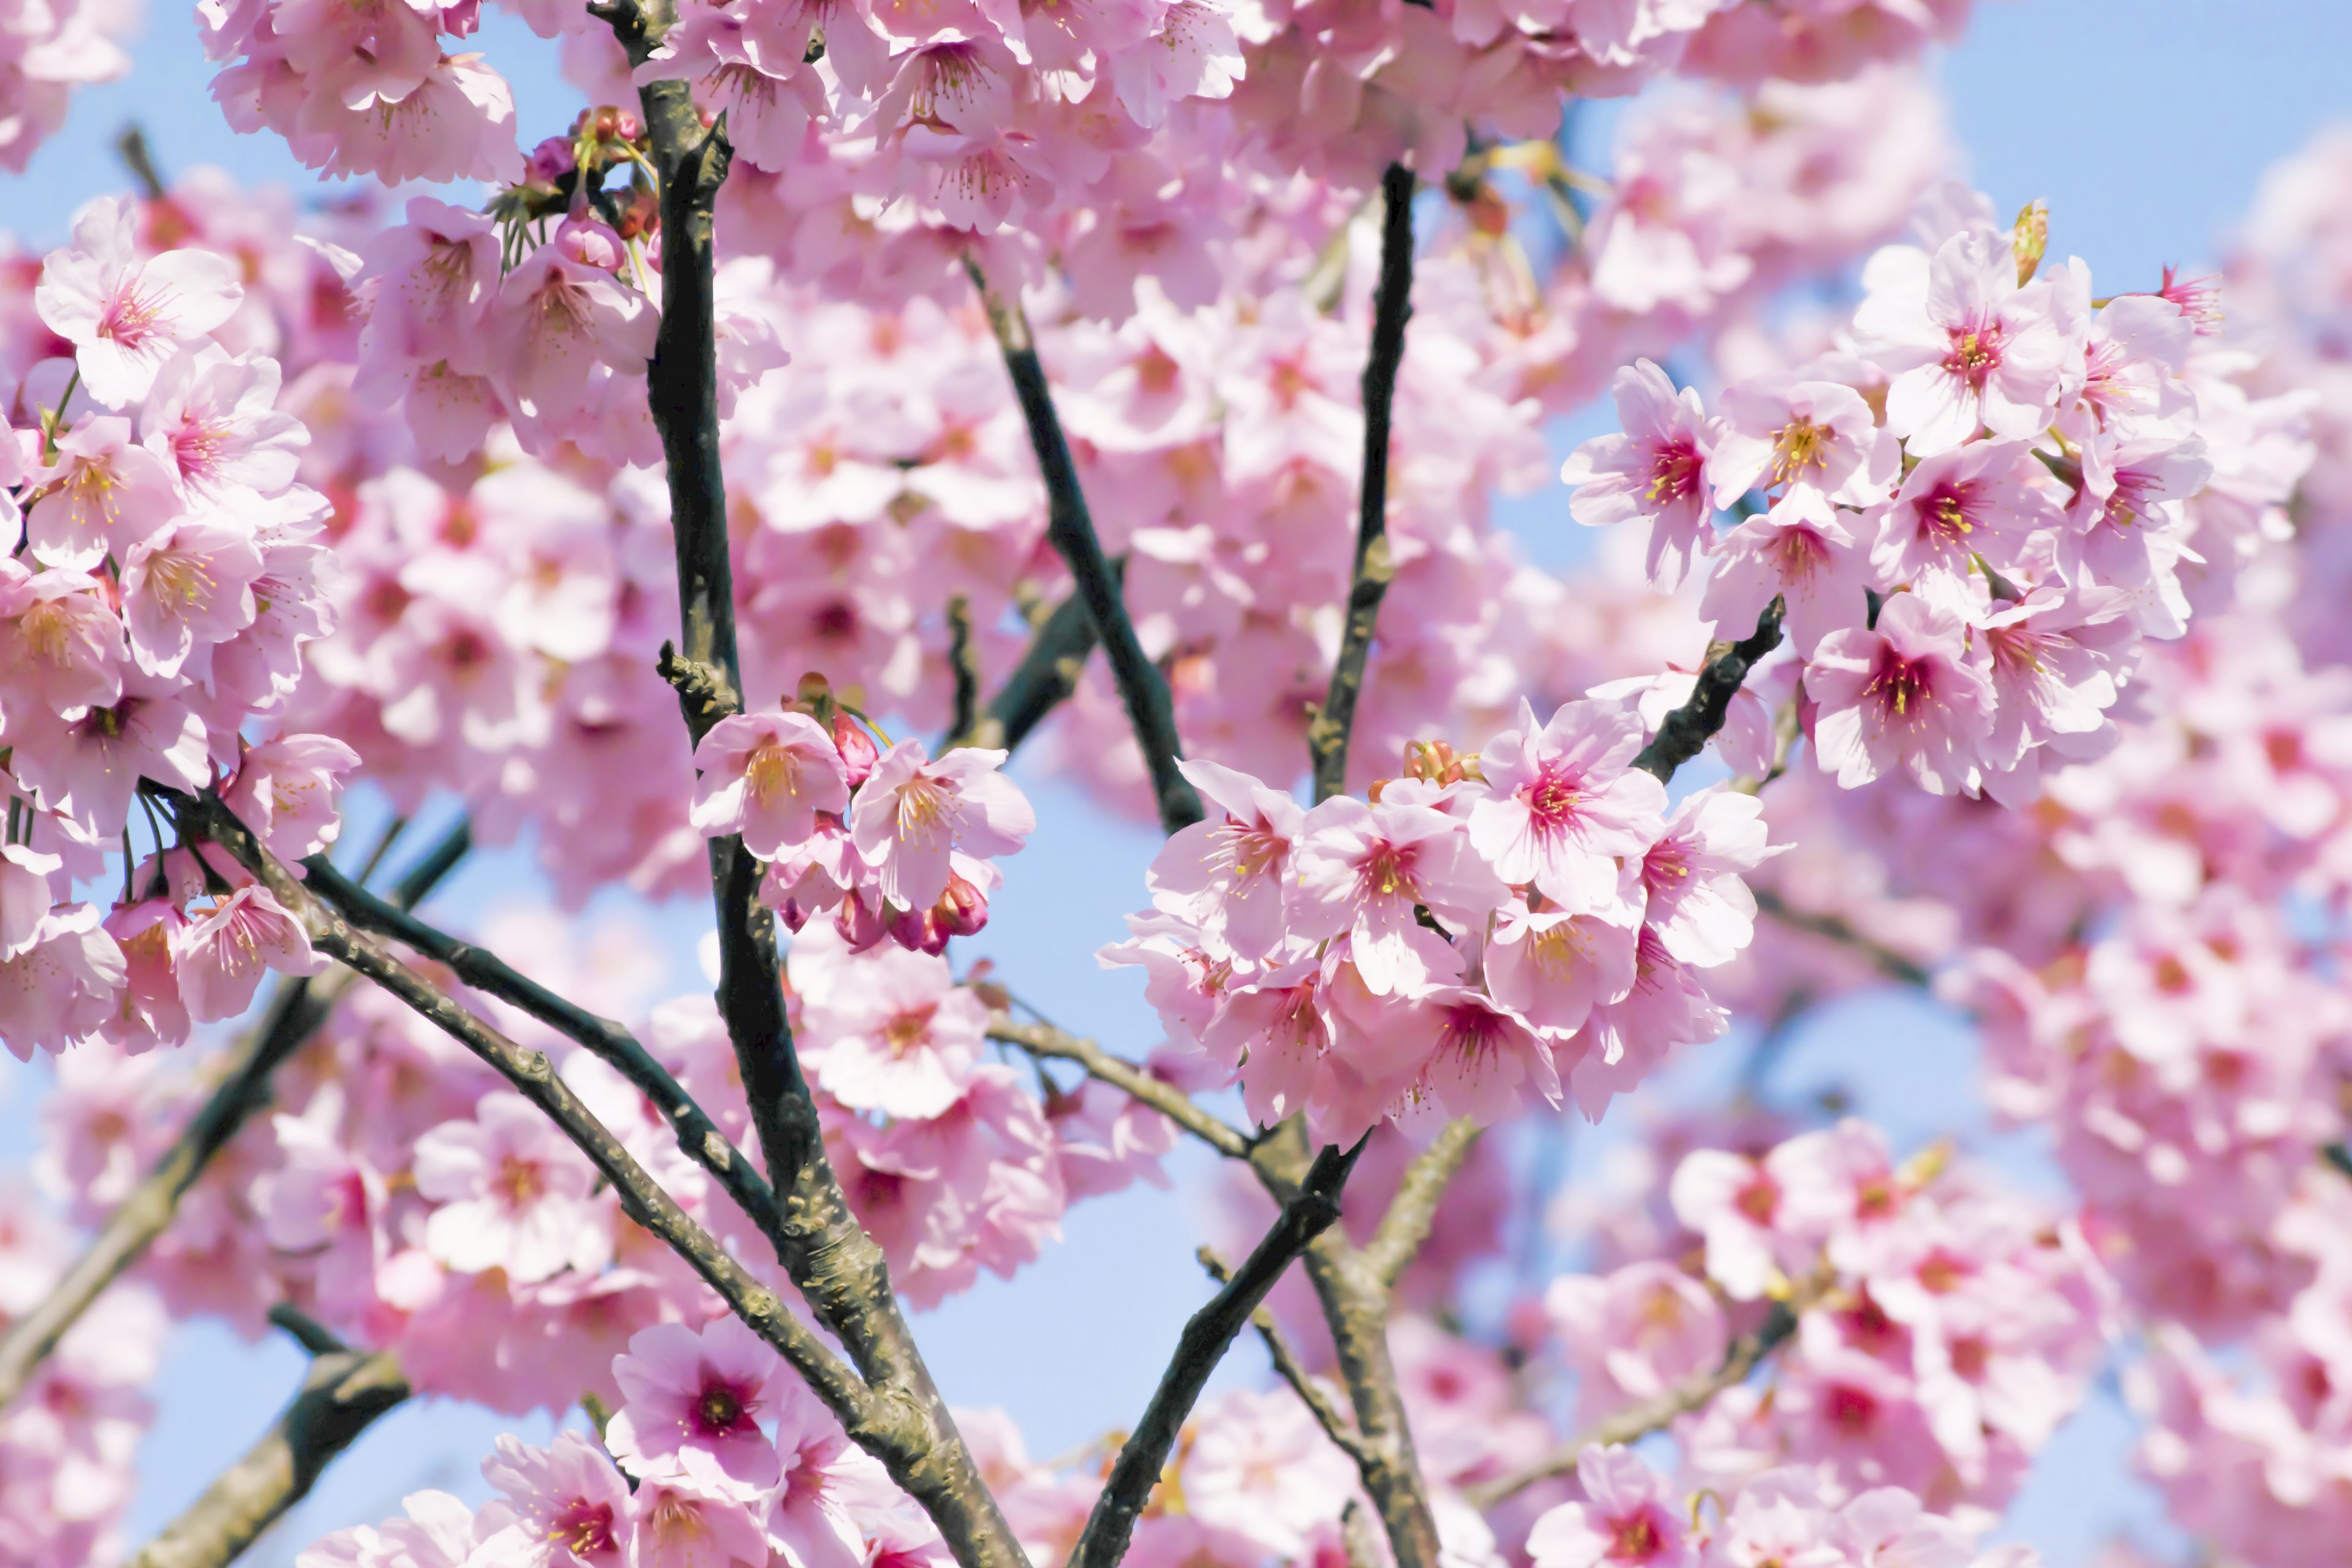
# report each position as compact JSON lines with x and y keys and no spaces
{"x":857,"y":747}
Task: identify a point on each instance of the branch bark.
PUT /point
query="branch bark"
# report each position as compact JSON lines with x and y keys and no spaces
{"x":1309,"y":1212}
{"x":1326,"y":738}
{"x":1292,"y":1372}
{"x":1044,"y":1040}
{"x":1839,"y":930}
{"x":1406,"y":1227}
{"x":1070,"y":526}
{"x":1687,"y":730}
{"x":1048,"y":672}
{"x":297,"y":1013}
{"x":345,"y":1393}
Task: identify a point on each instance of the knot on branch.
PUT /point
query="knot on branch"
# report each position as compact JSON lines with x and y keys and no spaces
{"x":706,"y":165}
{"x":702,"y":689}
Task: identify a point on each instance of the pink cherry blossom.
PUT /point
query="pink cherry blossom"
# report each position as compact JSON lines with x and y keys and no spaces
{"x":1653,"y":470}
{"x":512,"y":1192}
{"x":1364,"y":869}
{"x":1904,"y":695}
{"x":1629,"y":1516}
{"x":703,"y":1392}
{"x":1553,"y":968}
{"x":1229,"y":877}
{"x":126,"y":316}
{"x":1782,"y":433}
{"x":88,"y":767}
{"x":1803,"y":552}
{"x":1563,"y":810}
{"x":569,"y":1507}
{"x":1955,"y":508}
{"x":187,"y":589}
{"x":61,"y":987}
{"x":225,"y":955}
{"x":101,"y":495}
{"x":891,"y":1032}
{"x":288,"y":790}
{"x":767,"y":776}
{"x":1695,"y":898}
{"x":1970,"y":348}
{"x":912,"y":812}
{"x":61,"y":645}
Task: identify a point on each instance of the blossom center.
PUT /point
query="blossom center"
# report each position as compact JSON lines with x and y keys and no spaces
{"x":771,"y":772}
{"x":1674,"y":472}
{"x":1975,"y":353}
{"x":582,"y":1527}
{"x":1799,"y":445}
{"x":1903,"y":688}
{"x":1635,"y":1537}
{"x":1552,"y":800}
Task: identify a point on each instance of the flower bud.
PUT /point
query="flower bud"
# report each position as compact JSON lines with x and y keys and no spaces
{"x":2029,"y":238}
{"x":550,"y":161}
{"x":857,"y":747}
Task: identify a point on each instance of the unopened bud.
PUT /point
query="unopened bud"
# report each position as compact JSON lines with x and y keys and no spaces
{"x":2028,"y":238}
{"x":963,"y":910}
{"x":857,"y":747}
{"x":550,"y":161}
{"x":861,"y":924}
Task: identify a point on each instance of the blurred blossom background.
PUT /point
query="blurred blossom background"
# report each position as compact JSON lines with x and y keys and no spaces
{"x":2148,"y":127}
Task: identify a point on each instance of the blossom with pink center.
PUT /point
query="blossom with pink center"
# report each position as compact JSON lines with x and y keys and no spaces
{"x":1364,"y":869}
{"x":124,"y":316}
{"x":152,"y":1009}
{"x":89,"y":767}
{"x":563,"y":1506}
{"x":1781,"y":1517}
{"x":694,"y":1519}
{"x":289,"y":792}
{"x":1273,"y":1031}
{"x":913,"y":812}
{"x":225,"y":955}
{"x":513,"y":1193}
{"x":1654,"y":469}
{"x":1629,"y":1515}
{"x":62,"y":986}
{"x":892,"y":1032}
{"x":554,"y":319}
{"x":704,"y":1390}
{"x":101,"y":495}
{"x":1624,"y":1039}
{"x":325,"y":1202}
{"x":1970,"y":348}
{"x":1634,"y":1333}
{"x":1695,"y":898}
{"x":1259,"y":1467}
{"x":1564,"y":810}
{"x":1738,"y":1205}
{"x":186,"y":588}
{"x":1227,"y":878}
{"x":26,"y":892}
{"x":2056,"y":659}
{"x":1902,"y":696}
{"x":1959,"y":506}
{"x":1483,"y":1061}
{"x":429,"y":282}
{"x":61,"y":645}
{"x":766,"y":776}
{"x":1552,"y":968}
{"x":1841,"y":1185}
{"x":214,"y":419}
{"x":831,"y":1491}
{"x":1803,"y":552}
{"x":2124,"y":525}
{"x":1781,"y":432}
{"x":457,"y":124}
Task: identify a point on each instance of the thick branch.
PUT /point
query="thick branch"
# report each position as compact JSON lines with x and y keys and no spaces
{"x":697,"y":1136}
{"x":1741,"y":1357}
{"x":1839,"y":930}
{"x":1326,"y":738}
{"x":1150,"y":708}
{"x":1044,"y":1040}
{"x":296,"y":1014}
{"x":1048,"y":672}
{"x":1292,"y":1372}
{"x":344,"y":1394}
{"x":1688,"y":728}
{"x":1206,"y":1336}
{"x":1415,"y":1209}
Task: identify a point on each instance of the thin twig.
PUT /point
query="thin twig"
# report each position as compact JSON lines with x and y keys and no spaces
{"x":1150,"y":708}
{"x":1286,"y":1366}
{"x":1687,"y":730}
{"x":1415,"y":1209}
{"x":1327,"y":737}
{"x":296,"y":1012}
{"x":1839,"y":930}
{"x":1202,"y":1345}
{"x":1741,"y":1357}
{"x":1048,"y":672}
{"x":1044,"y":1040}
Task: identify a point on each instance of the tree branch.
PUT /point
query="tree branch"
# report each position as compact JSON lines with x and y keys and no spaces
{"x":1207,"y":1334}
{"x":1687,"y":730}
{"x":1741,"y":1357}
{"x":1415,"y":1209}
{"x":963,"y":663}
{"x":1150,"y":708}
{"x":345,"y":1392}
{"x":1287,"y":1366}
{"x":1048,"y":672}
{"x":1327,"y":737}
{"x":298,"y":1011}
{"x":697,"y":1136}
{"x":1839,"y":930}
{"x":1044,"y":1040}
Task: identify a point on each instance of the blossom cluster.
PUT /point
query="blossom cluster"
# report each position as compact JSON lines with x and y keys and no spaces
{"x":47,"y":50}
{"x":162,"y":594}
{"x":1475,"y":937}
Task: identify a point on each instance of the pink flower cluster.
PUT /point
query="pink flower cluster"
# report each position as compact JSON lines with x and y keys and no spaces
{"x":159,"y":599}
{"x":69,"y":1441}
{"x":47,"y":50}
{"x":1477,"y":937}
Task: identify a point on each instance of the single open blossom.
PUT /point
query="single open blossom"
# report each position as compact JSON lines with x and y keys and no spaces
{"x":1630,"y":1516}
{"x":565,"y":1506}
{"x":61,"y":645}
{"x":913,"y":812}
{"x":892,"y":1032}
{"x":188,"y":588}
{"x":225,"y":955}
{"x":767,"y":775}
{"x":830,"y":1489}
{"x":694,"y":1519}
{"x":126,"y":316}
{"x":215,"y":419}
{"x":89,"y":767}
{"x":102,"y":494}
{"x":152,"y":1009}
{"x":1228,"y":876}
{"x":1971,"y":347}
{"x":557,"y":318}
{"x":1564,"y":810}
{"x":1738,"y":1205}
{"x":1955,"y":508}
{"x":1786,"y":434}
{"x":703,"y":1390}
{"x":1552,"y":968}
{"x":1485,"y":1062}
{"x":1695,"y":898}
{"x":513,"y":1194}
{"x":1364,"y":870}
{"x":1903,"y":695}
{"x":288,"y":790}
{"x":1654,"y":469}
{"x":1803,"y":552}
{"x":61,"y":987}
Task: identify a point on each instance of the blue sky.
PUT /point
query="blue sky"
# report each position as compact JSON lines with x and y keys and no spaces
{"x":2145,"y":123}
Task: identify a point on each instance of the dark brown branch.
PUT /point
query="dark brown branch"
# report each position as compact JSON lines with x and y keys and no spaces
{"x":296,"y":1012}
{"x":1150,"y":708}
{"x":1048,"y":672}
{"x":697,"y":1136}
{"x":1044,"y":1040}
{"x":1292,"y":1372}
{"x":1415,"y":1209}
{"x":1326,"y":738}
{"x":963,"y":663}
{"x":345,"y":1393}
{"x":131,"y":146}
{"x":1686,"y":730}
{"x":1837,"y":929}
{"x":1358,"y":1537}
{"x":1207,"y":1335}
{"x":1741,"y":1357}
